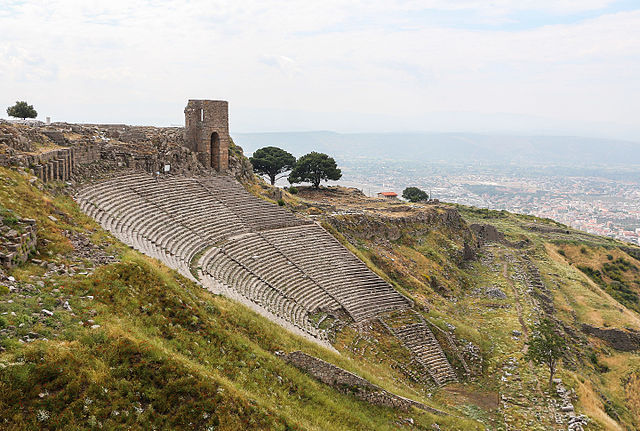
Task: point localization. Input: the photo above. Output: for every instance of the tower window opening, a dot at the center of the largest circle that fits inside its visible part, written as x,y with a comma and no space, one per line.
201,114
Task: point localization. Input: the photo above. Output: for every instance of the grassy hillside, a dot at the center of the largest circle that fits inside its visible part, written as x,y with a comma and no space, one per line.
133,345
489,304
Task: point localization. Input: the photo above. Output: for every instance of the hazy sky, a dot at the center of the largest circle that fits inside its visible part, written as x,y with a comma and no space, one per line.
388,65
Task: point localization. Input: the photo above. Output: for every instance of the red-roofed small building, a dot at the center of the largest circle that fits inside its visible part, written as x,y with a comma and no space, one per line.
388,195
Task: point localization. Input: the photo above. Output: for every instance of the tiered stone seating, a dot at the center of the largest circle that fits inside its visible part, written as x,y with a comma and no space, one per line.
361,292
256,213
195,206
260,257
217,264
139,222
256,251
414,333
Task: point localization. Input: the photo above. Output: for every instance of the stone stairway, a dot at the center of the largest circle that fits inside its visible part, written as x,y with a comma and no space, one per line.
418,338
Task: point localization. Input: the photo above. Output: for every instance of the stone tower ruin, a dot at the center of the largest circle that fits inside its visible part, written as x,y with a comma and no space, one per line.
206,132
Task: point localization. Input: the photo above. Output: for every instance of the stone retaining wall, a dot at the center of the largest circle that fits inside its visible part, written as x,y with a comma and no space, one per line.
626,341
349,383
52,165
18,242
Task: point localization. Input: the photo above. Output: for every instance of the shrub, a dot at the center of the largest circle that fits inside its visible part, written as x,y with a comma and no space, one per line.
8,217
293,190
594,274
602,368
281,202
314,168
562,253
414,194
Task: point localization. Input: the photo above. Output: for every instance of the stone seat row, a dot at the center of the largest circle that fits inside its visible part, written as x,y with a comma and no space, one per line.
353,288
144,222
362,293
194,205
253,212
209,219
262,258
216,264
137,239
259,214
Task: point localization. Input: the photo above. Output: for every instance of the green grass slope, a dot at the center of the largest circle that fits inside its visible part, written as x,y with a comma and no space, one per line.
586,279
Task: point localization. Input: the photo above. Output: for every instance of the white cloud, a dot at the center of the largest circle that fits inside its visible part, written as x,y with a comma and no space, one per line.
286,65
377,57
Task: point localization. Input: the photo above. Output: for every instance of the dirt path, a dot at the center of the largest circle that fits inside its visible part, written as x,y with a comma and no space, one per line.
525,330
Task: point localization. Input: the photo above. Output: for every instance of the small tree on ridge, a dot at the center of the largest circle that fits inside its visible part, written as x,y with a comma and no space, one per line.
414,194
313,168
546,347
272,161
22,110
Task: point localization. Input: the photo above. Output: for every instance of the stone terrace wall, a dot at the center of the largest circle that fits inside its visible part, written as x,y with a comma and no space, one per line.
627,341
347,382
86,154
17,242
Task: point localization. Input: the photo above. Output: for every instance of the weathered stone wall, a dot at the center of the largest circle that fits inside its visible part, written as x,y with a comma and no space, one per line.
60,164
17,242
56,136
53,165
347,382
85,154
207,132
90,151
626,341
486,233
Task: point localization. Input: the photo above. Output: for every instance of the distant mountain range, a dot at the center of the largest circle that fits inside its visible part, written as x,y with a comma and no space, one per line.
452,147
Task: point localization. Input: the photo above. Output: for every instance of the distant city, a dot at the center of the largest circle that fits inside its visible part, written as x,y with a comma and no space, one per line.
601,202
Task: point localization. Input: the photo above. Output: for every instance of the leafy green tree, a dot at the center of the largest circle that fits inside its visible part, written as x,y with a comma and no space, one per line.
22,110
414,194
272,161
546,347
313,168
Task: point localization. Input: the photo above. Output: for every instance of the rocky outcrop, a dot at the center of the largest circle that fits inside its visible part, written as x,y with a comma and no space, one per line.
379,226
624,340
349,383
409,226
546,229
239,165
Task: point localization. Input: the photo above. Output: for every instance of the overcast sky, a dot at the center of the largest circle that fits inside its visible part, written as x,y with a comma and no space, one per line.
538,66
